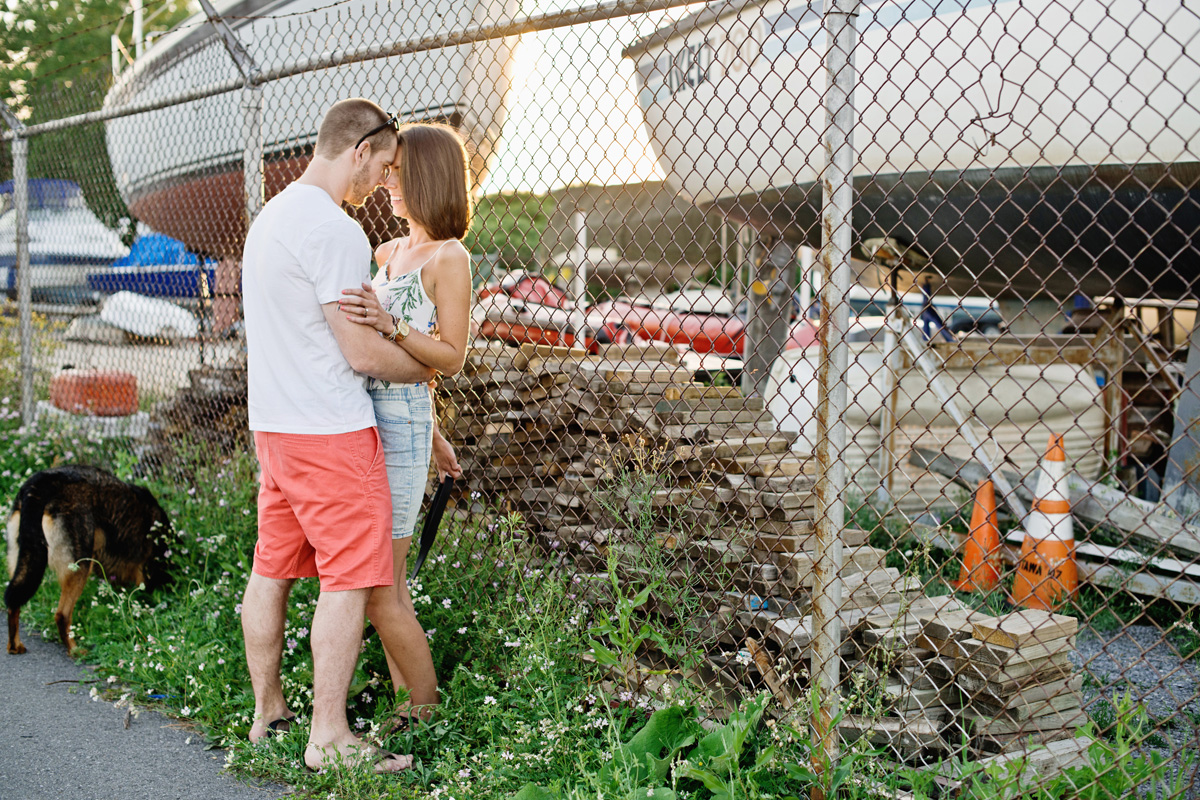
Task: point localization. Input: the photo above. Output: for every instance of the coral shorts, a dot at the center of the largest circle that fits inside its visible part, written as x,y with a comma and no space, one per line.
324,509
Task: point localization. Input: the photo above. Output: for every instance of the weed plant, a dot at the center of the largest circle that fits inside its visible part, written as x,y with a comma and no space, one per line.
523,715
641,569
10,348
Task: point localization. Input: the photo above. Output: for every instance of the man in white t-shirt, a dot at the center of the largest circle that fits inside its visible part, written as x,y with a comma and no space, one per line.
324,506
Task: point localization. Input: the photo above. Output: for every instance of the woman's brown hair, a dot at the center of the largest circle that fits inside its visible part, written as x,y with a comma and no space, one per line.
435,178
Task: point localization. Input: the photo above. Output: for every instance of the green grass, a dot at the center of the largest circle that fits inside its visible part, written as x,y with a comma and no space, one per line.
522,714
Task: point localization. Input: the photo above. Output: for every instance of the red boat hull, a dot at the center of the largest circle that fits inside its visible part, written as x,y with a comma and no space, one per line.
207,211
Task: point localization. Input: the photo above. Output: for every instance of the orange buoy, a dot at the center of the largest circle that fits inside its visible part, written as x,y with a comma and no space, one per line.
95,392
1046,575
981,552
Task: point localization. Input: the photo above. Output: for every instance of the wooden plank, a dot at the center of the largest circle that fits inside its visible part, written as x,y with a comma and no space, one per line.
1004,656
1150,523
768,466
979,672
981,723
1052,673
1024,627
1140,583
1125,556
1042,760
906,735
1010,743
647,372
796,568
717,551
762,661
1033,696
733,447
636,352
1018,709
951,625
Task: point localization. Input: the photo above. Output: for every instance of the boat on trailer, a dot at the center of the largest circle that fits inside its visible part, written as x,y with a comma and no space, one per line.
1023,145
157,266
179,168
66,242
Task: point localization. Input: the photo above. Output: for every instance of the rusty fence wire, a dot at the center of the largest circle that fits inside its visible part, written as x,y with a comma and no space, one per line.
871,327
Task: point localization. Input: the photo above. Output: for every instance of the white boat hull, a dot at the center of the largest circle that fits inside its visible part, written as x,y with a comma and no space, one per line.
180,168
1050,135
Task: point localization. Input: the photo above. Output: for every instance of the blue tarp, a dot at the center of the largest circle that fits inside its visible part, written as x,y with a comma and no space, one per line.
156,248
158,266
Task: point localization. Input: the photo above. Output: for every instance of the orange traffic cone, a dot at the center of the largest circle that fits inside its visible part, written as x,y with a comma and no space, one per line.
1046,576
981,552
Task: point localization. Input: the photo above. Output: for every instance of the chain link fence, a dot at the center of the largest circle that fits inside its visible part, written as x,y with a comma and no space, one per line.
769,293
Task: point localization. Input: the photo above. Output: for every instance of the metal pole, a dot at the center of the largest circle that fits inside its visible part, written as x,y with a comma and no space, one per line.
139,29
20,151
757,297
252,154
725,256
893,358
579,276
836,239
1181,484
806,283
769,315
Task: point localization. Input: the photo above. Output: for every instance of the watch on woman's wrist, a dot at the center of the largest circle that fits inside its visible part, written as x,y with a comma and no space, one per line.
400,330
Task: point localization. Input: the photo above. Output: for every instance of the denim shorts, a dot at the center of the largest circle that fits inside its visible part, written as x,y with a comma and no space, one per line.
404,415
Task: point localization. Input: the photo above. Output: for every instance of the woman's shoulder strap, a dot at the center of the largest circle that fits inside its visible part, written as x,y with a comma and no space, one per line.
395,243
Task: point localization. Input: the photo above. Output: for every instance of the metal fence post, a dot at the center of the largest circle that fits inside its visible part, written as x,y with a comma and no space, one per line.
836,239
20,152
252,111
252,155
579,276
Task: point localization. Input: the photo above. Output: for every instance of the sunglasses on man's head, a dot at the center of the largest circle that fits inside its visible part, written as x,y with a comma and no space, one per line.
391,122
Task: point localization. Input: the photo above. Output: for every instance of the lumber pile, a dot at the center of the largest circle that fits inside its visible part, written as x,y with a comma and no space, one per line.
1017,681
506,416
729,509
897,677
939,671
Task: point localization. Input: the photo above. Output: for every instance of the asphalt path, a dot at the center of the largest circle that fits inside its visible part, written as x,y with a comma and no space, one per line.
56,742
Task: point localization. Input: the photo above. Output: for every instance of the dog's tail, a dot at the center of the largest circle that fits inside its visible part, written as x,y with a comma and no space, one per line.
31,552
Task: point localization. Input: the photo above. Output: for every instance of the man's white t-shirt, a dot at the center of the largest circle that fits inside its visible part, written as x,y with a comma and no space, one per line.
300,253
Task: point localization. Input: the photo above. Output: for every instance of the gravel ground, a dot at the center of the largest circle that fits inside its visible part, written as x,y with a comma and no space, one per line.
1139,659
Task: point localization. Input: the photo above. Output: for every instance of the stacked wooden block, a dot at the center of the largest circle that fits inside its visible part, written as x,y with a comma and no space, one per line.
545,430
1013,674
894,678
614,394
1017,681
507,418
944,671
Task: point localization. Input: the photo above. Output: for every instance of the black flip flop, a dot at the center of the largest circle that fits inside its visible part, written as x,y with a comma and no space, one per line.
437,509
279,727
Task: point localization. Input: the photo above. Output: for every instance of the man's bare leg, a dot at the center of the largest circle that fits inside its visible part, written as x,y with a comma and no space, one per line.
264,615
336,640
390,610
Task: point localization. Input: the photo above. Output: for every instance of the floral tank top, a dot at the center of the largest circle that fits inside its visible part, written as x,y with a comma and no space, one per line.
404,297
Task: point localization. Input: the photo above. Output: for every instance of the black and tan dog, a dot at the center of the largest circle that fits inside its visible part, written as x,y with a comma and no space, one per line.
75,517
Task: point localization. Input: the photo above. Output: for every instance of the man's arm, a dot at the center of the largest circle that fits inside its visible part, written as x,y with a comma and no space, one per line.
371,354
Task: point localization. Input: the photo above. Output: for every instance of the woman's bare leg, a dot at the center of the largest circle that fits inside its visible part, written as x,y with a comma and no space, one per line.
391,611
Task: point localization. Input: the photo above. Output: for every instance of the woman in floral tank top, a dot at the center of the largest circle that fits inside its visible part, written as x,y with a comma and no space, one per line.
420,300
